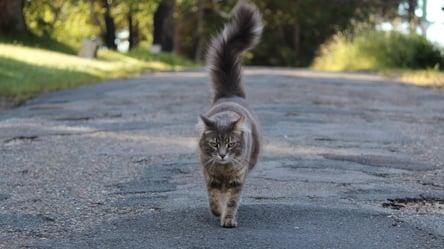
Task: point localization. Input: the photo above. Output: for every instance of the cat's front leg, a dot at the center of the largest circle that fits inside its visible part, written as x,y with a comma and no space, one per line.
231,203
214,198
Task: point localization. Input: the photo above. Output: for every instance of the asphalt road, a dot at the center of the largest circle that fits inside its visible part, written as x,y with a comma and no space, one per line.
350,161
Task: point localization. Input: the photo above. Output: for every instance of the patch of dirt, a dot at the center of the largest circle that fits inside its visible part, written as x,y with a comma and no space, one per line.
416,205
19,139
433,178
8,103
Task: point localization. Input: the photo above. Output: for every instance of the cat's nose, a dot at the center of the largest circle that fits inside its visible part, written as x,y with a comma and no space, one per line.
222,152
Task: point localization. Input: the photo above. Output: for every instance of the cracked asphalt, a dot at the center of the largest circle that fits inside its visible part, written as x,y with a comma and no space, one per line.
350,160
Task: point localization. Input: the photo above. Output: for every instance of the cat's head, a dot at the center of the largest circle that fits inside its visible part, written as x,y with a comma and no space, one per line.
222,138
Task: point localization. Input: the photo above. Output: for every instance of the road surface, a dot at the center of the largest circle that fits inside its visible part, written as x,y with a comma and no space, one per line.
350,161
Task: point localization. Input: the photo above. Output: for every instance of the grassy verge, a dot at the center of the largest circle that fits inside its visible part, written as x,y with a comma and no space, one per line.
172,60
31,40
26,71
408,58
426,77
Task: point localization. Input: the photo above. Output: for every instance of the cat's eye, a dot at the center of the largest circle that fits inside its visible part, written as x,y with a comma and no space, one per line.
231,145
213,144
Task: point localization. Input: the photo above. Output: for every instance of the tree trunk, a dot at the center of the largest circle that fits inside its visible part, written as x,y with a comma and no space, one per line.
158,24
297,40
95,17
133,31
199,32
168,28
12,19
110,33
412,19
163,34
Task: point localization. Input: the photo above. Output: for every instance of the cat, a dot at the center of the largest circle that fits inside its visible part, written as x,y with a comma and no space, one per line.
229,142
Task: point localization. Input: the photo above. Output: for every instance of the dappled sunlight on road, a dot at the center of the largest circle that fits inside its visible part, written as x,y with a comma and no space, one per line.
161,140
307,73
38,127
306,150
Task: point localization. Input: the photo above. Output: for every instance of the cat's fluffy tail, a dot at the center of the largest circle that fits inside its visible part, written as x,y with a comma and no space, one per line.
224,53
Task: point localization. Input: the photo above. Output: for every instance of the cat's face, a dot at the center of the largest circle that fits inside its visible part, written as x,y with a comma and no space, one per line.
221,144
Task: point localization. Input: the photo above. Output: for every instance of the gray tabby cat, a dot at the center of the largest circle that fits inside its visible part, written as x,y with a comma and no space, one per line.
229,139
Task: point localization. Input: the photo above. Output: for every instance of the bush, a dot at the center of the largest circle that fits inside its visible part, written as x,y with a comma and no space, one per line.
376,50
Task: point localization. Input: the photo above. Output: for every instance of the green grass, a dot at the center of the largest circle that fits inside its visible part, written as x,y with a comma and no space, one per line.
425,77
31,40
142,53
409,58
26,71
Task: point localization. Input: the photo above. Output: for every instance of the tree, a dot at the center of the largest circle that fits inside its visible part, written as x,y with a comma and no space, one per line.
164,25
136,11
133,31
12,19
412,19
199,31
44,16
110,32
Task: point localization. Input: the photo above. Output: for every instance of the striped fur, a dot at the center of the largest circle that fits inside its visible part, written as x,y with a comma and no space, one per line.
224,52
229,139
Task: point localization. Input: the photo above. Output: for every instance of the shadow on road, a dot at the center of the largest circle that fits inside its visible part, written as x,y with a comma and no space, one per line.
261,226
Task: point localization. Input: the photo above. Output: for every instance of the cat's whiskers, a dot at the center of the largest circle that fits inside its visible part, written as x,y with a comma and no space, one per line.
211,160
238,162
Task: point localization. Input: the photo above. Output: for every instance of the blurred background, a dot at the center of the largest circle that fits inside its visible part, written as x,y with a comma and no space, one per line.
339,35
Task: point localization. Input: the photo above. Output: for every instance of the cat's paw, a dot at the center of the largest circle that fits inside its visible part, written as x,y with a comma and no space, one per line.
215,212
228,222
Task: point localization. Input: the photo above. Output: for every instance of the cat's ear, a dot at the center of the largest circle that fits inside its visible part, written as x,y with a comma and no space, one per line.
208,122
241,125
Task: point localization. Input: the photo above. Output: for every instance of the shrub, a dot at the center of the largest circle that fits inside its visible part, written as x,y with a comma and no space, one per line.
376,50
